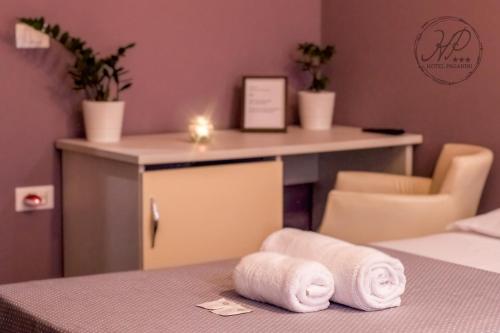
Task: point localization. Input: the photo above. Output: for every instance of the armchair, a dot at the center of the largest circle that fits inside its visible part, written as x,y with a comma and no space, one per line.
367,207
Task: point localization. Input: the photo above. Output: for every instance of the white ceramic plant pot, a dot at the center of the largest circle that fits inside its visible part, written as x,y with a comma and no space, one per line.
103,120
316,110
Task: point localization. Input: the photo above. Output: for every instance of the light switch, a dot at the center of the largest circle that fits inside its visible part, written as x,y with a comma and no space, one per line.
34,198
29,38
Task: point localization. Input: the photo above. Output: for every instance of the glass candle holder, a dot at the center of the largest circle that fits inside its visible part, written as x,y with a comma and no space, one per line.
201,129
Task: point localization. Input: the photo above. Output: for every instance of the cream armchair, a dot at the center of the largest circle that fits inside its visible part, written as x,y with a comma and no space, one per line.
366,207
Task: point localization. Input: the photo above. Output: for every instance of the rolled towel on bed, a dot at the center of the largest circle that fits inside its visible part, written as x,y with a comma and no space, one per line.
294,284
365,278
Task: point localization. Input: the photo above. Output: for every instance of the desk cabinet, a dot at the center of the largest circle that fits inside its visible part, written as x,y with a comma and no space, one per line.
206,213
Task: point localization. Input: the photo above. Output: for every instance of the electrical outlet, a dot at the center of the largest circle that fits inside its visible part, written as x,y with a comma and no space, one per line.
29,38
34,198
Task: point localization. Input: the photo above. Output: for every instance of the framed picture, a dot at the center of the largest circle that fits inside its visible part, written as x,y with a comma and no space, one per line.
264,103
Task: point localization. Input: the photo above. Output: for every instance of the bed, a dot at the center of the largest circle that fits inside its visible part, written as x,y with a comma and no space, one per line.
464,248
440,297
472,242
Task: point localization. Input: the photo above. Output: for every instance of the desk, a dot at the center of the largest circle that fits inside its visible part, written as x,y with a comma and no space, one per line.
227,192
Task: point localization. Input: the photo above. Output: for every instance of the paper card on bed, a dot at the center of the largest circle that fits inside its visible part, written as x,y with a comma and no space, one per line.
231,310
214,305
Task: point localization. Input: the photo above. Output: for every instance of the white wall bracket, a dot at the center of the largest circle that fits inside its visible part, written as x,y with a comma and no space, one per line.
29,38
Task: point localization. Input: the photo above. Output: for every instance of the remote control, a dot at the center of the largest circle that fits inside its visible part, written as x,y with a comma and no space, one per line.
388,131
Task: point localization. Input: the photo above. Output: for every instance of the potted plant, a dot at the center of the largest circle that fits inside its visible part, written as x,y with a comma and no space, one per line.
101,79
316,105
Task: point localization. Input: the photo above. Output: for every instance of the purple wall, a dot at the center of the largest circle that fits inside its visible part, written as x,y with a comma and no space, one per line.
378,82
189,58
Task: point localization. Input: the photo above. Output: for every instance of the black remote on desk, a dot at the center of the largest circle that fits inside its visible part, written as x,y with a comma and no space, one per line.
388,131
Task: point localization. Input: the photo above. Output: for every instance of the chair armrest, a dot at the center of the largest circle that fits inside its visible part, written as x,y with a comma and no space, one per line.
372,182
368,217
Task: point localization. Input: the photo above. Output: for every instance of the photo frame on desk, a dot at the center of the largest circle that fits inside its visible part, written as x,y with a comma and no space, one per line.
264,103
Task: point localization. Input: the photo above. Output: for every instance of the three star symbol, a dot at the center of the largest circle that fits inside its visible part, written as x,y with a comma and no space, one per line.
461,59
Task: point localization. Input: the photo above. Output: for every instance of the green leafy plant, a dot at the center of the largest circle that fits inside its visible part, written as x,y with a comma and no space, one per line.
102,79
312,59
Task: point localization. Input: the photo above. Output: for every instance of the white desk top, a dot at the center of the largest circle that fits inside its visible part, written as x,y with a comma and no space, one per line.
233,144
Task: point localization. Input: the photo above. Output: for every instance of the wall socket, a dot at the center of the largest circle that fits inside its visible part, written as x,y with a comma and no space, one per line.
46,193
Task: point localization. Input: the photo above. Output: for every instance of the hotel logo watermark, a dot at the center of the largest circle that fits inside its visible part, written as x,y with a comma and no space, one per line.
448,50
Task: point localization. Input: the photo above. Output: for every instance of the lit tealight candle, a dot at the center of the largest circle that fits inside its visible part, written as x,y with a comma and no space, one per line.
201,129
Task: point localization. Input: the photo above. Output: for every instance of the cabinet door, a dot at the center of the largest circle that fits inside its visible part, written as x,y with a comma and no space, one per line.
210,213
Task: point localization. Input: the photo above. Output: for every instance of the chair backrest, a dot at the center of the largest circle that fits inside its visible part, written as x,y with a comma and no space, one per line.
461,171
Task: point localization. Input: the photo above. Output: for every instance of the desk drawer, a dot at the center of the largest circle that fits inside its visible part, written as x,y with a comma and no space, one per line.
210,213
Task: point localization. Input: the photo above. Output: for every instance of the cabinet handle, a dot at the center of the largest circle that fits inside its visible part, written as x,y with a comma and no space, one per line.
155,213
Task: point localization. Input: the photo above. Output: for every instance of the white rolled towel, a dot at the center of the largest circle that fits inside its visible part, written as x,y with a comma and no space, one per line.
365,278
294,284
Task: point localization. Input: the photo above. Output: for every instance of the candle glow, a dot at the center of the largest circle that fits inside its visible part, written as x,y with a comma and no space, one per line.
201,129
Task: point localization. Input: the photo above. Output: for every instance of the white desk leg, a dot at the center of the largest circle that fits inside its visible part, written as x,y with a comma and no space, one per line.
408,160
